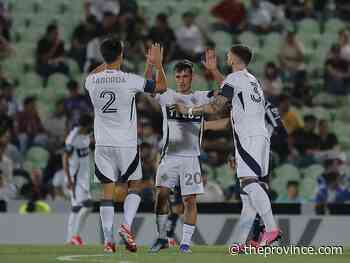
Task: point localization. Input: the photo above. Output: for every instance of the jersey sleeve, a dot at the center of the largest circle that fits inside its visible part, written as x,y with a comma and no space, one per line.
227,89
140,84
205,97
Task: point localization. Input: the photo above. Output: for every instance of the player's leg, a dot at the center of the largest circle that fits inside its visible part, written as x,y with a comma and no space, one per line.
191,184
246,220
176,209
131,171
105,172
249,168
166,179
71,224
82,216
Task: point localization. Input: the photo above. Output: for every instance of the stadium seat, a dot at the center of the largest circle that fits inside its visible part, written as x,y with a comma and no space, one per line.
309,182
332,27
282,175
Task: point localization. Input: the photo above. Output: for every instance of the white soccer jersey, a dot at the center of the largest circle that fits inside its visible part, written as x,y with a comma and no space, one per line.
112,93
78,145
181,132
248,104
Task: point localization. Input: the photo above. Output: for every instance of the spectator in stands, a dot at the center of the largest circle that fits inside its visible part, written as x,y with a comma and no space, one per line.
297,10
56,126
272,83
50,54
75,104
162,33
343,8
29,125
305,140
110,26
328,140
82,34
5,45
190,38
292,54
343,41
264,17
337,72
290,118
5,21
330,192
231,15
6,168
8,91
98,8
292,194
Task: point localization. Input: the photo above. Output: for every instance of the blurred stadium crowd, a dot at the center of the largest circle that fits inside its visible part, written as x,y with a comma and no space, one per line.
302,57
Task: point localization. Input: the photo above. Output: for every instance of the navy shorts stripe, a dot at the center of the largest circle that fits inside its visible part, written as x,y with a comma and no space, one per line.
247,158
132,167
100,176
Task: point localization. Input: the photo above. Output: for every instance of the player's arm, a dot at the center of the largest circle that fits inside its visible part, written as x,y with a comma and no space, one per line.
155,59
217,125
210,64
65,161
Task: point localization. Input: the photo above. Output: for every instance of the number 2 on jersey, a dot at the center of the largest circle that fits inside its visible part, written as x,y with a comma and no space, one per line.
110,96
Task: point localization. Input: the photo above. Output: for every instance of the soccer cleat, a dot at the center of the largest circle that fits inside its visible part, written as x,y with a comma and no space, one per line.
158,245
269,238
76,241
128,238
172,242
109,247
184,248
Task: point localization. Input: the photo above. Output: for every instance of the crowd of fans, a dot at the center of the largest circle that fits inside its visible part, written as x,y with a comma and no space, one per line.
285,80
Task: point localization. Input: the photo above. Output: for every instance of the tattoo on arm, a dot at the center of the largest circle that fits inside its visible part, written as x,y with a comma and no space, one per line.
217,105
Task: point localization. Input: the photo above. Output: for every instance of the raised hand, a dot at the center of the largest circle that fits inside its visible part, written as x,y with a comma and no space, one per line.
156,55
210,62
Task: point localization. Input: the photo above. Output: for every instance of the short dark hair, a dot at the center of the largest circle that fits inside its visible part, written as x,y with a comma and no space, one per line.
85,120
162,17
293,183
28,100
111,48
184,65
72,84
51,27
243,52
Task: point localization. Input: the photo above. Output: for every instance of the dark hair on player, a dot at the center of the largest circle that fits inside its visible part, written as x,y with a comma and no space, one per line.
162,17
85,120
51,28
111,48
243,52
184,65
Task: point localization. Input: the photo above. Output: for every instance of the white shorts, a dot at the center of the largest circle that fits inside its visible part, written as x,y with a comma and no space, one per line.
114,164
79,194
183,171
252,156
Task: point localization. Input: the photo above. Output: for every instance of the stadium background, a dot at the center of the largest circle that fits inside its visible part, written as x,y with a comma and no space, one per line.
308,78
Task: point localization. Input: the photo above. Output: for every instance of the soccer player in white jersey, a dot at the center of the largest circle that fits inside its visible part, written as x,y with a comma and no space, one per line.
179,164
252,142
112,93
77,171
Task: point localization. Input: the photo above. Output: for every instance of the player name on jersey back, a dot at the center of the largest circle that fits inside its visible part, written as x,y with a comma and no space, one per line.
112,93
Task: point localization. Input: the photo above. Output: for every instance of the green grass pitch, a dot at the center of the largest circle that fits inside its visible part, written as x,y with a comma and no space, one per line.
201,254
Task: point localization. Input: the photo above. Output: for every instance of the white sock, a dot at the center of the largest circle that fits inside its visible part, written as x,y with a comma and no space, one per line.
81,219
261,202
131,204
187,233
161,221
107,219
71,223
246,220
